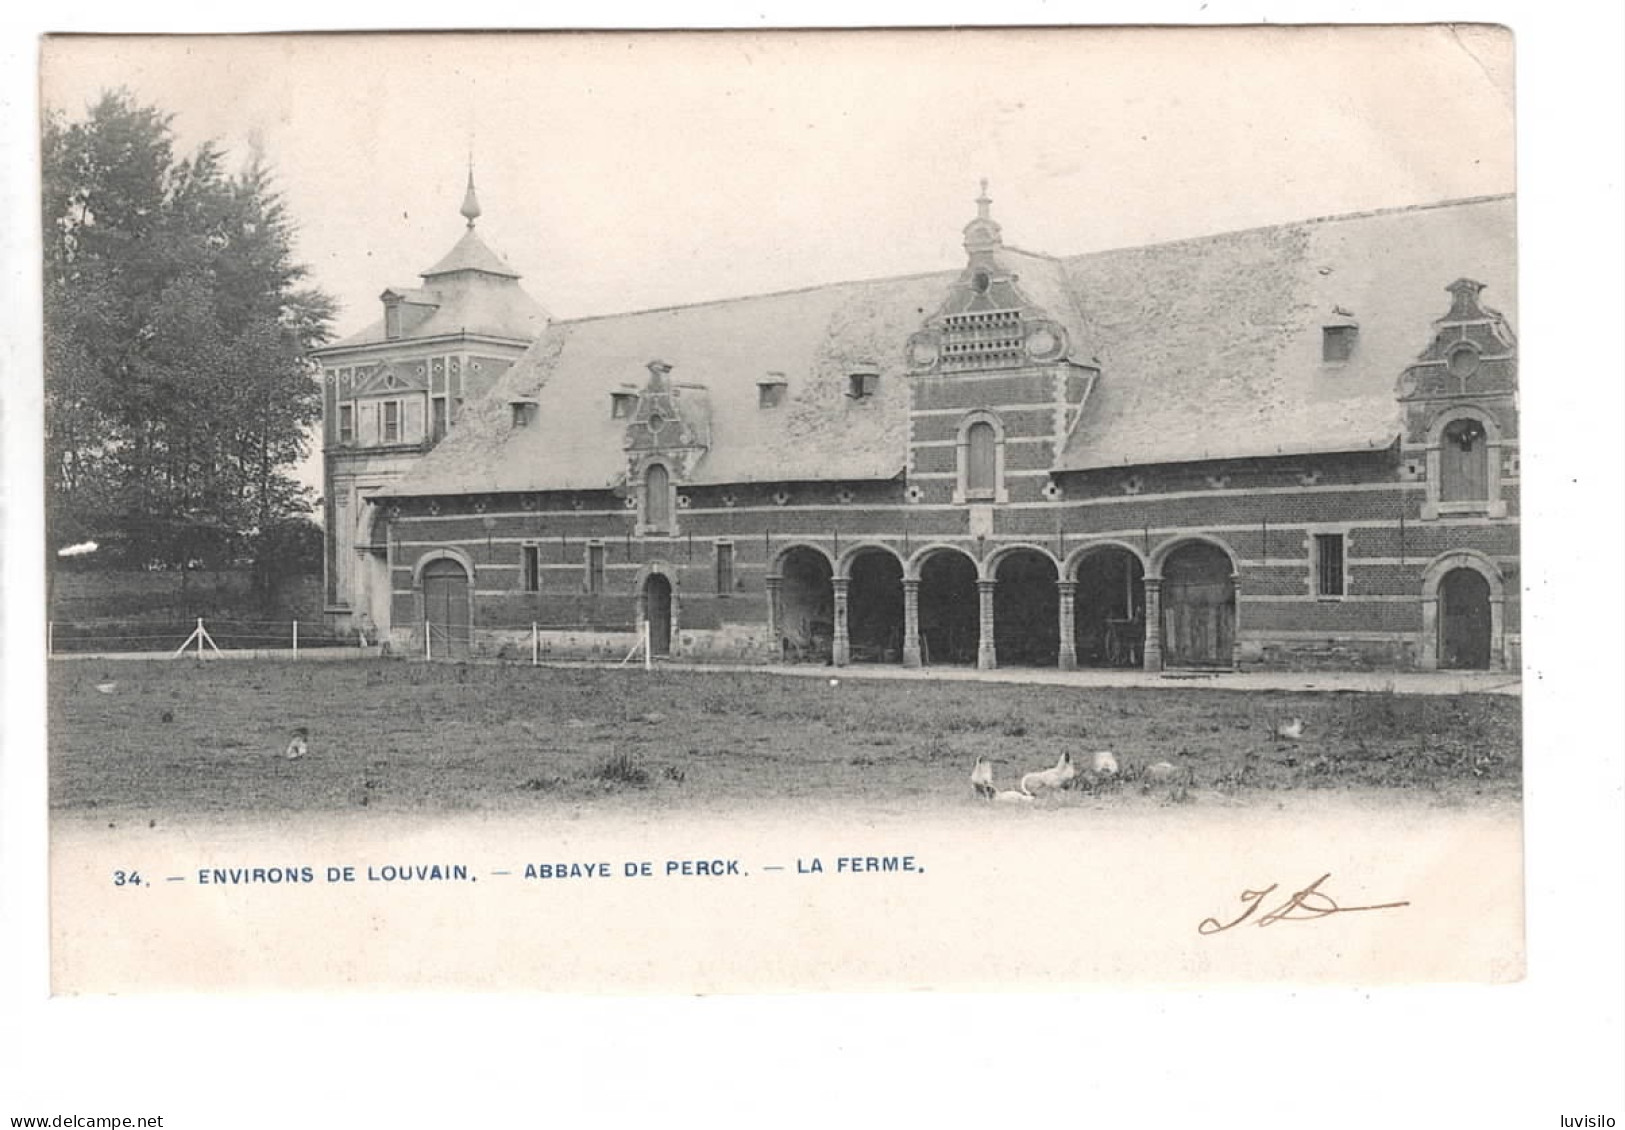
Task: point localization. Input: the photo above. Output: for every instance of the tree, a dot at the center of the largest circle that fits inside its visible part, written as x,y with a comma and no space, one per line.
178,389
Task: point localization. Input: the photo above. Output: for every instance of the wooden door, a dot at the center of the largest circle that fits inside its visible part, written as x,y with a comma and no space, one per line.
1198,608
657,607
446,609
1464,620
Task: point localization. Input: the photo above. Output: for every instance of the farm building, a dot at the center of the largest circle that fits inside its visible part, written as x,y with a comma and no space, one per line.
1293,445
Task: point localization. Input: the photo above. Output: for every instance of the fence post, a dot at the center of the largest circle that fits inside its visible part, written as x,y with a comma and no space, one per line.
535,645
428,646
50,638
296,639
648,660
200,637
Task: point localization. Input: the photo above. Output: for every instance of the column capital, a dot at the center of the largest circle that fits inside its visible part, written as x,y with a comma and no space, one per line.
773,580
1066,588
911,583
839,585
986,584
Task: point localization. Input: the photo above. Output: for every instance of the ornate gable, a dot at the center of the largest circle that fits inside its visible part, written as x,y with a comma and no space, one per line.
671,425
1473,353
987,321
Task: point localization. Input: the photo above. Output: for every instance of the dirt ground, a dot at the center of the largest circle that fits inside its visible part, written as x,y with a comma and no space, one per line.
184,738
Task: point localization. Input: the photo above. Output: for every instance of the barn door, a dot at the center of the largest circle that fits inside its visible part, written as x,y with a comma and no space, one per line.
1464,620
446,609
1198,608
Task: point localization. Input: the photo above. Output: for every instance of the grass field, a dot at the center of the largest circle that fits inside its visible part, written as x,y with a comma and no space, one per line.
178,738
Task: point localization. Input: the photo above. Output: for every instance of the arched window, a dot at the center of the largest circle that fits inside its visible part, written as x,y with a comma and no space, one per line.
981,460
1464,464
657,497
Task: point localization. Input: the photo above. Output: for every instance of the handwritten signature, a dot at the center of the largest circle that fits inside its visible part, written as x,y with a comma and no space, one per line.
1302,906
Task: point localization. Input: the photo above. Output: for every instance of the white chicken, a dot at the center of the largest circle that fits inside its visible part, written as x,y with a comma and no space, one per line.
1052,778
1105,763
981,780
1289,730
298,745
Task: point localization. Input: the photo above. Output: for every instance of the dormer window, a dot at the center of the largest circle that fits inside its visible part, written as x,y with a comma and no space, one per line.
622,405
863,382
525,413
770,392
1337,342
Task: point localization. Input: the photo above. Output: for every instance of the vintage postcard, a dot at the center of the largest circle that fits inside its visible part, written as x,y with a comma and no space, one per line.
750,512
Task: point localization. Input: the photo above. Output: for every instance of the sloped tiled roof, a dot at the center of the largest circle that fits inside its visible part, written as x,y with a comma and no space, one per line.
471,254
1209,348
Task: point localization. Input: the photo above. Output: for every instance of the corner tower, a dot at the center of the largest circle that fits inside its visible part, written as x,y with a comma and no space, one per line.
394,390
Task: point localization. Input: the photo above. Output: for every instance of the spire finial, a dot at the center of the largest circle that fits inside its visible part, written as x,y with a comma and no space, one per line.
471,202
983,203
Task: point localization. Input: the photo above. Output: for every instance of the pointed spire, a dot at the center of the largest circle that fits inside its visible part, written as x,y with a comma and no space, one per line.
983,233
471,202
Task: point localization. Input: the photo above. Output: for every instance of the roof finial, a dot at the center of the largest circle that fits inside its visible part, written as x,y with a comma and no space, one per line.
471,202
983,202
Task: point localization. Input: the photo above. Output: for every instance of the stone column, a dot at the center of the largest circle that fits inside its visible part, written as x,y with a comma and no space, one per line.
1153,623
775,646
986,657
1235,618
1068,660
842,646
911,622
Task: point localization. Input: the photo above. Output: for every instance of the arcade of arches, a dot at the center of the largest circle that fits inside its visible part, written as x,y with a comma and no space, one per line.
1023,613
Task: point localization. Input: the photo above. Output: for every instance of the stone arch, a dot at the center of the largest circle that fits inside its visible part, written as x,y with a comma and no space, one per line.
1160,555
843,565
1026,605
955,620
1069,570
1109,603
990,565
911,567
441,554
870,606
776,567
1194,615
1433,578
801,604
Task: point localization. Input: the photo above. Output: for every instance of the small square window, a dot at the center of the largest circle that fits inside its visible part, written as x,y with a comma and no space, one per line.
1337,342
525,413
622,405
769,394
863,385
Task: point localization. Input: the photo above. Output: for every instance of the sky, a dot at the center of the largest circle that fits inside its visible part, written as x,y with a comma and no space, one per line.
622,171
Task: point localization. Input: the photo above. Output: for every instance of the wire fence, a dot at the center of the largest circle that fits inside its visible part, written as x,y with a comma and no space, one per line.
199,635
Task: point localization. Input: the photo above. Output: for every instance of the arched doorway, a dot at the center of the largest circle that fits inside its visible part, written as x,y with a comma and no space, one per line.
874,607
1109,612
806,612
657,610
1198,607
950,611
1464,620
1026,610
447,612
